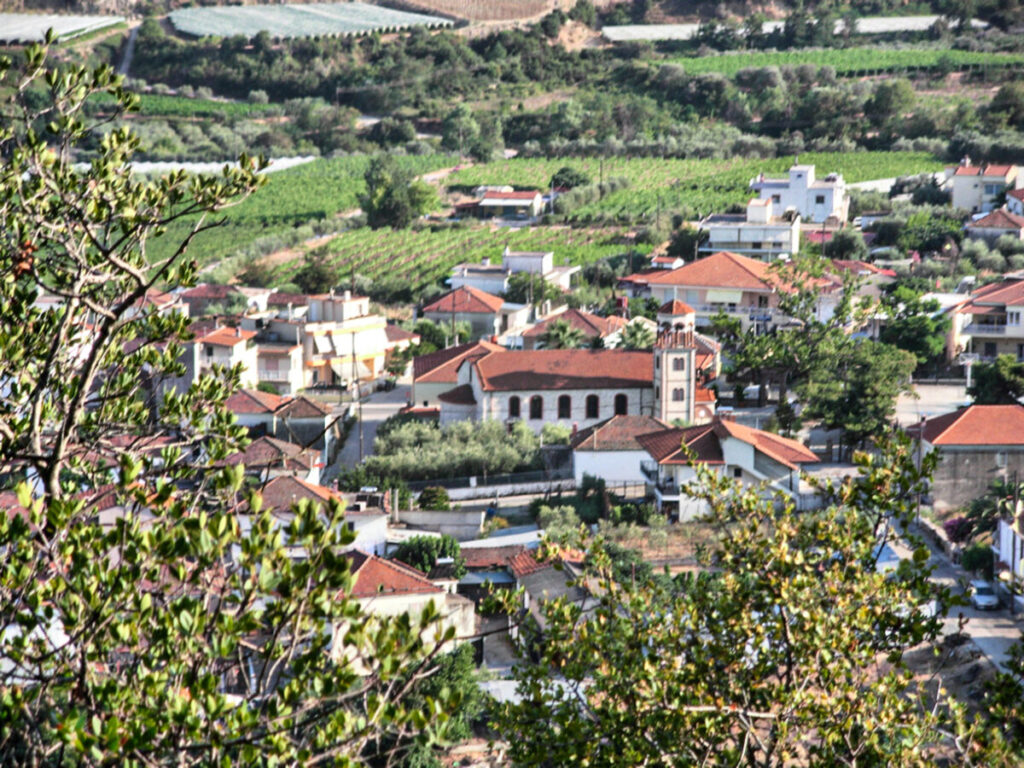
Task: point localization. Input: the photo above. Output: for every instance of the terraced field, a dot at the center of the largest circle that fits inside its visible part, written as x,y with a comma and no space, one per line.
699,186
424,257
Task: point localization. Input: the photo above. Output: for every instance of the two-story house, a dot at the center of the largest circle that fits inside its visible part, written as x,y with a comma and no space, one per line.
488,315
761,232
977,188
229,347
493,278
989,323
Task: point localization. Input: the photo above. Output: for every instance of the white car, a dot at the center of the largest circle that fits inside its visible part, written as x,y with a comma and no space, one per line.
983,596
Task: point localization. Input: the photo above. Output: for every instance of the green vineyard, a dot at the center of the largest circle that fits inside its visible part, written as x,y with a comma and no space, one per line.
424,257
852,61
697,186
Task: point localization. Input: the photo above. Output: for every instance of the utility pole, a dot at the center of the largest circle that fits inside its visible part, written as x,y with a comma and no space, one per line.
359,395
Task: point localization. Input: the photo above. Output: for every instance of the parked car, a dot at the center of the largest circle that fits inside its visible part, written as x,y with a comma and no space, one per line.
983,596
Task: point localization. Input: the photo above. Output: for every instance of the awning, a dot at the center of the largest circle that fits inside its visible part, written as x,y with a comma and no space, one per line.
322,344
339,371
722,296
977,310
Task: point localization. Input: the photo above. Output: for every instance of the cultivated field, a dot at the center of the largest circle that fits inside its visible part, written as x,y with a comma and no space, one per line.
483,10
298,20
852,61
31,27
701,186
423,257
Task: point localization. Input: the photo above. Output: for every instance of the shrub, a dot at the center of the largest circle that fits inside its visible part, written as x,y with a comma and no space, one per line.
958,529
436,499
558,522
978,559
423,552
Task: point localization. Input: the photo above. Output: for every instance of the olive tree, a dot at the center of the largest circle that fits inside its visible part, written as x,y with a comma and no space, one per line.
141,623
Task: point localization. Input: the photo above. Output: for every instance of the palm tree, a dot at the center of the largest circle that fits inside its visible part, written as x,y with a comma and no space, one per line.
637,336
560,335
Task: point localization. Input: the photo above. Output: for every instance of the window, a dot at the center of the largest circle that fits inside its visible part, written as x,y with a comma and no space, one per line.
621,404
679,364
819,199
657,362
1013,318
993,189
1000,458
513,407
990,349
209,350
678,395
564,407
592,407
1020,353
756,245
762,302
737,473
776,199
536,407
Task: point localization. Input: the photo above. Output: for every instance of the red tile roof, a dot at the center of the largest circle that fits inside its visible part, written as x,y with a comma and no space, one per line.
993,297
719,270
1016,194
461,395
619,433
982,170
281,299
279,494
442,366
552,369
528,562
302,407
590,325
705,442
676,307
269,452
227,337
254,401
999,219
396,333
977,425
377,576
489,558
467,300
209,291
520,195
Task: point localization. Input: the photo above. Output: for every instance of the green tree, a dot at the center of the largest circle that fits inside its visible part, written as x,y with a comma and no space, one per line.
568,177
528,288
423,552
560,335
847,244
913,324
637,336
685,242
1000,382
775,662
167,635
459,129
435,498
393,197
317,274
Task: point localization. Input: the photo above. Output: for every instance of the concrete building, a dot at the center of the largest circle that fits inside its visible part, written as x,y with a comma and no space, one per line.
977,445
1015,202
989,323
976,188
751,456
996,224
758,233
608,329
509,204
438,372
493,278
610,450
816,200
488,315
228,347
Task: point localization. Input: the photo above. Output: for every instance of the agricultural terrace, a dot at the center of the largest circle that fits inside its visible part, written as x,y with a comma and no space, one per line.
424,257
298,20
695,186
310,192
852,61
31,27
159,105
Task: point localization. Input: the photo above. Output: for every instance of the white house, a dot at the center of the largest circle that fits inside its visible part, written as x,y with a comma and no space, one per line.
228,347
994,225
610,450
1015,202
817,200
488,315
493,278
508,203
759,232
751,456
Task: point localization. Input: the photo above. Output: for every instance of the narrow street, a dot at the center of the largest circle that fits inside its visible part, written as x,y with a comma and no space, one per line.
376,408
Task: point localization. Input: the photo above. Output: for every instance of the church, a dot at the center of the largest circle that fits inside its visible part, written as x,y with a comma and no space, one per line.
579,388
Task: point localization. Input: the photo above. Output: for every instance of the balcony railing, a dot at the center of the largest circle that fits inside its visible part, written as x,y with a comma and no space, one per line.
992,329
650,470
713,309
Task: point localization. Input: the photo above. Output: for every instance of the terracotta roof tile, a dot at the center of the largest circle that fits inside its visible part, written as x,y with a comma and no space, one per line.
782,449
977,425
519,195
719,270
279,494
999,219
442,366
528,562
302,407
676,307
282,299
982,170
461,395
666,446
1016,194
489,558
269,452
591,325
254,401
377,576
619,433
467,299
552,369
397,333
990,297
227,337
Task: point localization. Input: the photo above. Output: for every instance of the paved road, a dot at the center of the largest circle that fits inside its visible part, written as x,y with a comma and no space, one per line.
931,400
376,408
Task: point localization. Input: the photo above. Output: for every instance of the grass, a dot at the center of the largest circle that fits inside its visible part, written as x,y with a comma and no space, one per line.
700,186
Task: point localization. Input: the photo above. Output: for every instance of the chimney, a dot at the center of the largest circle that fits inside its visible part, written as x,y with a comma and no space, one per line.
506,252
238,331
965,160
347,296
486,261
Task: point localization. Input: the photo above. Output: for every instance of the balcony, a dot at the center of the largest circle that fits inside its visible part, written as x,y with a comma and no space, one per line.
650,470
992,329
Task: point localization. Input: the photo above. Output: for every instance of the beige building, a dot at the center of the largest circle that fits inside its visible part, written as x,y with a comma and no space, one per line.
990,322
487,315
759,233
229,347
975,188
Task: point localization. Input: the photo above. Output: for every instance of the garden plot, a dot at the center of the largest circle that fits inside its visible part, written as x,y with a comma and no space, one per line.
31,27
298,20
